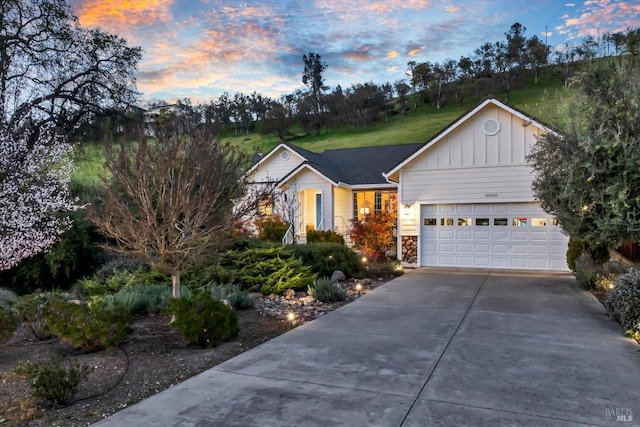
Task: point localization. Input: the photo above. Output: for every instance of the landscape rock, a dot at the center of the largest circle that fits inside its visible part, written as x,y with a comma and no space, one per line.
255,295
308,300
306,308
338,276
289,293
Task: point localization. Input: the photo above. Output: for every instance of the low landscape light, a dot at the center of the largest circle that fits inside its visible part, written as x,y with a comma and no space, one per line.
291,317
358,288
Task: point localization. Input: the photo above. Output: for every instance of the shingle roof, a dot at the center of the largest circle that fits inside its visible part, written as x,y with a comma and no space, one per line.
358,166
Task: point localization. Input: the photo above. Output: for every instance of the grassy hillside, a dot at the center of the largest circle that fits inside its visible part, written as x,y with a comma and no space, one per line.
540,101
416,125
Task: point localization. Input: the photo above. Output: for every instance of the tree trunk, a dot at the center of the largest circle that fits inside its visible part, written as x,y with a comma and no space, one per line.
175,282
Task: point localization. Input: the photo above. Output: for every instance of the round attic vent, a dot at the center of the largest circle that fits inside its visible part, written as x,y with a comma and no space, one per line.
284,155
491,127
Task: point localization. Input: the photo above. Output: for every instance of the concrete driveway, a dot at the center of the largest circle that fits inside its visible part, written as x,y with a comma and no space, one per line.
433,347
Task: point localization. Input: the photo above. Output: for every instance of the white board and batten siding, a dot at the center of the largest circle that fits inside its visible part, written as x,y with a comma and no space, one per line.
467,184
469,165
343,209
279,163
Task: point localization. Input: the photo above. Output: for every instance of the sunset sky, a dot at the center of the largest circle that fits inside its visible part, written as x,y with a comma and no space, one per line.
200,48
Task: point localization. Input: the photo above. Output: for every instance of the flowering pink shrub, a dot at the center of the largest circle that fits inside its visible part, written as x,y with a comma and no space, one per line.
34,195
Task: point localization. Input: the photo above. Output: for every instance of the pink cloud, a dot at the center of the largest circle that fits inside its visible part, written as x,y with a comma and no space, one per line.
603,16
118,15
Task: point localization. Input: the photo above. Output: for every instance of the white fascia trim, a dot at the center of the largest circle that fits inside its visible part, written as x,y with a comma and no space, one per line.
269,154
311,168
368,186
464,119
390,181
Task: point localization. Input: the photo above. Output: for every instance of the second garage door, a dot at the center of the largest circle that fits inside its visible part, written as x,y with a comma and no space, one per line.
499,235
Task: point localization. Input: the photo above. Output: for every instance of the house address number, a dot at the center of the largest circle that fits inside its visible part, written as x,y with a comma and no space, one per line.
490,195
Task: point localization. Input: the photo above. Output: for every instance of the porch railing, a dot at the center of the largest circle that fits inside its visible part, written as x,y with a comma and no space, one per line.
343,229
288,237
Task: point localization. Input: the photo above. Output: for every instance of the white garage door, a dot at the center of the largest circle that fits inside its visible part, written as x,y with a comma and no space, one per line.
501,235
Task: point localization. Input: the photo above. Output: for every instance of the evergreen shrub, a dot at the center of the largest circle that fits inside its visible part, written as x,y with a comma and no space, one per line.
320,236
7,324
623,302
31,310
202,320
89,327
52,381
266,270
326,257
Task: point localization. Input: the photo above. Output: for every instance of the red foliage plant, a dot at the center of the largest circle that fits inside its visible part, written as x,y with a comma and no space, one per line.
373,236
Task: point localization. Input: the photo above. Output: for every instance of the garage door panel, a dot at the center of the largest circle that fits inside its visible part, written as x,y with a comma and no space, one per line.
497,262
465,235
498,235
501,249
519,249
430,234
500,208
482,235
540,236
446,247
446,209
520,262
480,261
465,248
539,250
519,235
464,261
482,248
448,261
539,263
447,234
482,209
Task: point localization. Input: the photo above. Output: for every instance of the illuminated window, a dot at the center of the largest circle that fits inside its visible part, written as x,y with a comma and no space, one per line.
265,206
538,222
519,222
371,202
446,222
464,222
430,221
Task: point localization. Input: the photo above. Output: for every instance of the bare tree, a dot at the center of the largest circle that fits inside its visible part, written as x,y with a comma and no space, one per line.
171,201
286,207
